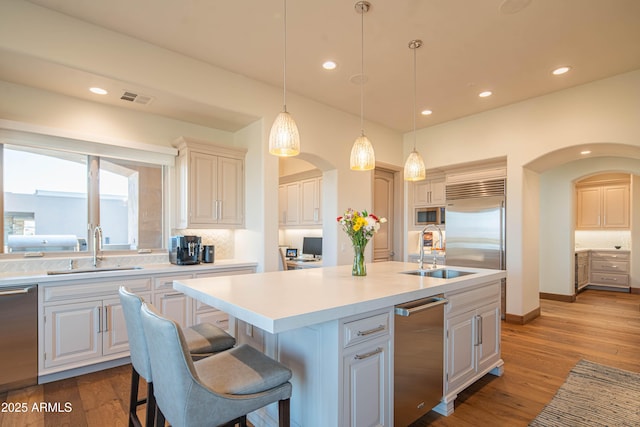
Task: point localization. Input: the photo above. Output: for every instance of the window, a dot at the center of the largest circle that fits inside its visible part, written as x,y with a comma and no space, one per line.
49,195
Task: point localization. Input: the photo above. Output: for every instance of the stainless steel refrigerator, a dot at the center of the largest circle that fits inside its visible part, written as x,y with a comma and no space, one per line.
475,226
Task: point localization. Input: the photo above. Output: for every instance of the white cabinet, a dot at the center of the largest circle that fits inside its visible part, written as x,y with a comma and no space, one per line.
209,182
300,202
366,371
430,192
602,206
83,323
472,323
172,304
610,269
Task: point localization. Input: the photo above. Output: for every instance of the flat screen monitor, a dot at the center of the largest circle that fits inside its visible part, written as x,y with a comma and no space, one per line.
312,246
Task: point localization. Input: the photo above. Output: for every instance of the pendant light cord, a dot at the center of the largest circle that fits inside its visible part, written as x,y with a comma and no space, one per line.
415,86
362,12
284,84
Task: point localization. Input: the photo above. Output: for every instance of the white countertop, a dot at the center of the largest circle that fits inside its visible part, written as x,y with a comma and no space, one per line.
41,277
286,300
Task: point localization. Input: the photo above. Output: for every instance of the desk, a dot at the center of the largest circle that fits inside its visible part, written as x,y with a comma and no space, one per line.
299,265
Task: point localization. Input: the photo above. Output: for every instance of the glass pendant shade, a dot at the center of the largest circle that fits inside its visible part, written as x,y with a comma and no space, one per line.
284,139
414,167
362,156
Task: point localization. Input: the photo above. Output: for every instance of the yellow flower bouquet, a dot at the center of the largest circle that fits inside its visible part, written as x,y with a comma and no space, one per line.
360,227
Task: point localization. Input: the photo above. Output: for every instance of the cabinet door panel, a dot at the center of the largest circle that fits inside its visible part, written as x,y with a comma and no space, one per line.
114,337
203,191
461,349
589,203
174,305
489,347
365,386
309,202
616,206
72,333
230,191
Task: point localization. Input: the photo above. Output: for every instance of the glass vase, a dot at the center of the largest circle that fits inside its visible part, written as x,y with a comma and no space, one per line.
359,267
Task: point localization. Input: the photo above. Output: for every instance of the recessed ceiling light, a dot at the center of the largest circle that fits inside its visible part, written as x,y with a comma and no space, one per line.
98,91
561,70
329,65
585,152
485,94
426,112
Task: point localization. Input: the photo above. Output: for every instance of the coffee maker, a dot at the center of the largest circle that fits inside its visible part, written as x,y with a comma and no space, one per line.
185,250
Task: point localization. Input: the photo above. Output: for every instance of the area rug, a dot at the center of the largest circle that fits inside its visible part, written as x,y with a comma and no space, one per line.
594,395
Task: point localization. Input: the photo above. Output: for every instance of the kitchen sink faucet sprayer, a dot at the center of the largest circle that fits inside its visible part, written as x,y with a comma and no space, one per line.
97,245
440,242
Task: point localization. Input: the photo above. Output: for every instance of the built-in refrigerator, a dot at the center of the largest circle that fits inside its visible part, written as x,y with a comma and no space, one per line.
475,226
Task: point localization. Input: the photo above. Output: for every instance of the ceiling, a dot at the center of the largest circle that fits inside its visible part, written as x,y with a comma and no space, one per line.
508,47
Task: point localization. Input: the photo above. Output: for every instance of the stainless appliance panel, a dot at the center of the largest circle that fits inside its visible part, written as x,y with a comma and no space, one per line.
19,337
475,232
418,358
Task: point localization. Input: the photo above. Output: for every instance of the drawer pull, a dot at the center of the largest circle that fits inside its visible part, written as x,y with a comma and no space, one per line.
367,355
371,331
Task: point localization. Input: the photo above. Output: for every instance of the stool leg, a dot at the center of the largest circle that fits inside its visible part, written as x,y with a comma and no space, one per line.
160,421
283,413
133,397
151,406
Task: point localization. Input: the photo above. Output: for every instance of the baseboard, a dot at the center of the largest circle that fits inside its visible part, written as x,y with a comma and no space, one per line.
635,290
522,319
558,297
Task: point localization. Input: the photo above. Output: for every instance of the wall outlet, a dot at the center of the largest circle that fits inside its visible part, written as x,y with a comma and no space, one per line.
248,330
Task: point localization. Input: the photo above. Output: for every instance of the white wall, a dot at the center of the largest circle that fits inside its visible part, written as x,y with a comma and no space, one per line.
602,112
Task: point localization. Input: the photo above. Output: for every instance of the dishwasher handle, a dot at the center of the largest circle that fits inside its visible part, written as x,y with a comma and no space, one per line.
15,291
406,310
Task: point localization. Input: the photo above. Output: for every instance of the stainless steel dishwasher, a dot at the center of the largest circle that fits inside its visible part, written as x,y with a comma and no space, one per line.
19,336
418,358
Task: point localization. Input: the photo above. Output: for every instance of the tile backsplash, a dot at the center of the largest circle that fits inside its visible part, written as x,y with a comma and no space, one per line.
603,239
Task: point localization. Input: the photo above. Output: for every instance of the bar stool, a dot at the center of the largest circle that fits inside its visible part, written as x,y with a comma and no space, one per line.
202,340
218,390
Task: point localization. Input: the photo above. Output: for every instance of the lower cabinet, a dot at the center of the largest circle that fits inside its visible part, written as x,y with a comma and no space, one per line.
472,349
366,371
366,383
81,322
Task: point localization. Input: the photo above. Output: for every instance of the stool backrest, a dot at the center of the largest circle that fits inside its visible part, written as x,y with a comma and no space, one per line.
131,304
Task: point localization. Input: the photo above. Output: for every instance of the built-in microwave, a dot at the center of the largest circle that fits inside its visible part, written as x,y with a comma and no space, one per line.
431,215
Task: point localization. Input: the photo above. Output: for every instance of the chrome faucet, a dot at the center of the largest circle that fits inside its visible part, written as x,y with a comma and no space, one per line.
97,244
440,242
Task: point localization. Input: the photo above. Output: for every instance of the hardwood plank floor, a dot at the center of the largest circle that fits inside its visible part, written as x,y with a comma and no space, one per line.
601,326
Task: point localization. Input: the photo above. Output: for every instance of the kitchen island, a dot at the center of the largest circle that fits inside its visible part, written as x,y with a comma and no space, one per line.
335,332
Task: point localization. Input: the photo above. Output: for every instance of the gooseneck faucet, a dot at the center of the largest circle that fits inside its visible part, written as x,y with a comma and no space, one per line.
97,244
422,233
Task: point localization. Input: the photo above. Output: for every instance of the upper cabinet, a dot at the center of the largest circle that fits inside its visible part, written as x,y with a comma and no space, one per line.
603,202
209,185
300,201
430,192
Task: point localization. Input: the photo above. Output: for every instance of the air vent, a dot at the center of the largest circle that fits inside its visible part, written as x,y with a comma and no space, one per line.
136,97
469,190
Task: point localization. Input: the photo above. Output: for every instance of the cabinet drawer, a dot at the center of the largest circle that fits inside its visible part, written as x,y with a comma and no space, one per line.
603,255
165,283
93,290
612,266
468,299
364,329
609,279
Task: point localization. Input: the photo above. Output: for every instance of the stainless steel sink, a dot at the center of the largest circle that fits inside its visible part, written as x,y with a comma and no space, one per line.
91,270
441,273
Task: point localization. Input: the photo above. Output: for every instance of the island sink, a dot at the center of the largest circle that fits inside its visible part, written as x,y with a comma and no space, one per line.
441,273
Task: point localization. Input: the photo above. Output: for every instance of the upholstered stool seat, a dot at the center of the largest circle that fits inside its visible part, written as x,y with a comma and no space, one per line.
202,340
218,390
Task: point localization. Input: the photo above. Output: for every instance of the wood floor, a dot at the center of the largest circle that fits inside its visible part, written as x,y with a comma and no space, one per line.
600,326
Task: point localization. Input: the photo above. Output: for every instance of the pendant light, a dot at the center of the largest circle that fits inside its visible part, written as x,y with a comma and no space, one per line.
284,139
362,156
414,167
